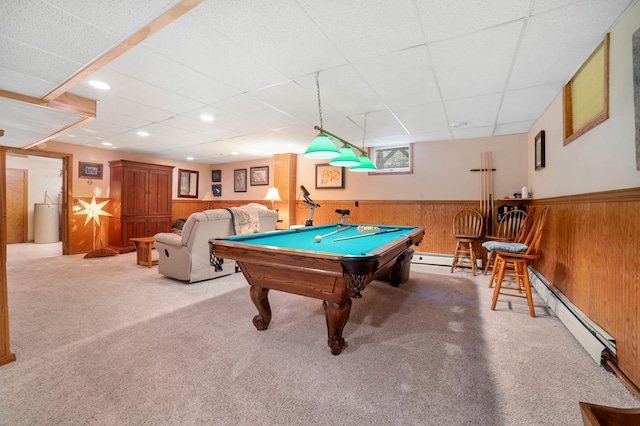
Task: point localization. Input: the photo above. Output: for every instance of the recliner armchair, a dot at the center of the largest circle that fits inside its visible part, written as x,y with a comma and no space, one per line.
186,257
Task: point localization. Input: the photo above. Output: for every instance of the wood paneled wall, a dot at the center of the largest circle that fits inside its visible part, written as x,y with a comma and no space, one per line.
591,253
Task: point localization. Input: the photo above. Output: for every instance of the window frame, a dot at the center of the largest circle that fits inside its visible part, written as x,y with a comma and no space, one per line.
371,152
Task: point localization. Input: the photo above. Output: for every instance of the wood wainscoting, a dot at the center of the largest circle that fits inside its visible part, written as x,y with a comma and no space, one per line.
591,253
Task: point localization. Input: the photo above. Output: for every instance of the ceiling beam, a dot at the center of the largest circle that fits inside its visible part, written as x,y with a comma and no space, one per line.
159,23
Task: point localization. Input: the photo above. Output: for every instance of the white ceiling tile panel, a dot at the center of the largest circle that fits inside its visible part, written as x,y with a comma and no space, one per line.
212,54
433,136
67,36
427,118
541,6
211,131
344,90
487,54
475,112
23,59
24,84
121,17
443,19
294,100
527,104
227,121
513,128
251,109
278,32
17,113
413,81
133,109
365,28
391,140
577,30
174,132
151,67
382,124
476,132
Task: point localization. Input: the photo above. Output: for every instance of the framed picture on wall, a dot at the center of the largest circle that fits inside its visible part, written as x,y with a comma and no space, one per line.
90,170
328,176
260,175
240,180
539,147
216,188
216,175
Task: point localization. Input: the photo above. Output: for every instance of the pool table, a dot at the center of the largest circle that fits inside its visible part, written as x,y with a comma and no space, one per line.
334,269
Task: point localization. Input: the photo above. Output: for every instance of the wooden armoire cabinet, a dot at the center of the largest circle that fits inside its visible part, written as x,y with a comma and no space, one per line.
140,202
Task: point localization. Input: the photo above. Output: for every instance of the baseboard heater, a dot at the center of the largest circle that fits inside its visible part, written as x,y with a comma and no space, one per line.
598,343
438,259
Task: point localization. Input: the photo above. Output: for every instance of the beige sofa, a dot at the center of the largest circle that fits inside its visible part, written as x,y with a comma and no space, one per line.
186,257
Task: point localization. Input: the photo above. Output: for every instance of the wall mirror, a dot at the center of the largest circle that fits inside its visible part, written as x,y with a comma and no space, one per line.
188,183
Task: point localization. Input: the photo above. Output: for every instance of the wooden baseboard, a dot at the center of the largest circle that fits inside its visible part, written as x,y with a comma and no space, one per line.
7,359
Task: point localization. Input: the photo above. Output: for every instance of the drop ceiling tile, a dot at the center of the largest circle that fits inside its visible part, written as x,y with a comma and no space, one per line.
210,130
121,17
294,100
527,104
151,67
160,129
577,30
475,112
427,118
24,84
133,110
476,132
344,90
228,121
541,6
513,128
382,124
365,28
447,19
213,55
278,32
251,109
391,140
488,54
67,37
23,59
412,83
433,136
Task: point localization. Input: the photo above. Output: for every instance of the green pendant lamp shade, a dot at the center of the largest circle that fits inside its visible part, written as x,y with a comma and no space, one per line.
322,148
347,158
366,165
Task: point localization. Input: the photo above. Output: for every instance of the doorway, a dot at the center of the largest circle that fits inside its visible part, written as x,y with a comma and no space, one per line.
17,209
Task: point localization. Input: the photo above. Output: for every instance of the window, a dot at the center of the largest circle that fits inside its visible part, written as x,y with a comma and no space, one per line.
392,159
586,95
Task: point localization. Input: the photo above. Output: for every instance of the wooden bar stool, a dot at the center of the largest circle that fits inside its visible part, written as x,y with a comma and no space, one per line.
467,228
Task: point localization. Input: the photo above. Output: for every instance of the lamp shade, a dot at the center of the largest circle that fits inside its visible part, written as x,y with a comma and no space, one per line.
273,195
366,165
208,196
322,148
347,158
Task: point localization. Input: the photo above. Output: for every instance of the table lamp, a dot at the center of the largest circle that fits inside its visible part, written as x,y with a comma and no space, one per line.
209,198
273,195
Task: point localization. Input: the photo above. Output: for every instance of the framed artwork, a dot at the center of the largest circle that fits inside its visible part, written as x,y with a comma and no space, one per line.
90,170
260,175
329,177
240,180
216,188
216,175
188,183
539,144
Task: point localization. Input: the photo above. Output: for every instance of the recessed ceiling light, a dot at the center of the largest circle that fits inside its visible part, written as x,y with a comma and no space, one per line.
206,117
291,145
107,143
190,158
99,84
235,153
141,133
458,125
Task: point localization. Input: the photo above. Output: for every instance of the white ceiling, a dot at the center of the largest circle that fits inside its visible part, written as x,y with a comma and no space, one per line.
414,67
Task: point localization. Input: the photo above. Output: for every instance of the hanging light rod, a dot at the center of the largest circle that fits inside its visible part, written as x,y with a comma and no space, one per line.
338,138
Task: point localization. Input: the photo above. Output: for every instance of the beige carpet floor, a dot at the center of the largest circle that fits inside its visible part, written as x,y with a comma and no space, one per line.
107,342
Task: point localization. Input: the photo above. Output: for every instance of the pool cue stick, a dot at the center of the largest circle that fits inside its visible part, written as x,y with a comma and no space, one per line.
366,235
320,237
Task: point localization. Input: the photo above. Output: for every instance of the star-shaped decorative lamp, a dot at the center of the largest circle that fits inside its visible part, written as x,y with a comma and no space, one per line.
93,211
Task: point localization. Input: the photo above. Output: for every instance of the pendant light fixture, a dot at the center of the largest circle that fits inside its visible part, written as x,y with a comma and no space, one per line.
366,165
322,147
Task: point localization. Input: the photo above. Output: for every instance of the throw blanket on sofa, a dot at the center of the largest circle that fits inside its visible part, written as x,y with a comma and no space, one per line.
245,220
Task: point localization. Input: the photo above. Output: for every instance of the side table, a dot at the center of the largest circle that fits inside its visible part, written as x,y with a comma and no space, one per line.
144,247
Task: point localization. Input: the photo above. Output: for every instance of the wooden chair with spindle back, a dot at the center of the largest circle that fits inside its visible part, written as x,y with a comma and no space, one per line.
467,228
519,256
508,228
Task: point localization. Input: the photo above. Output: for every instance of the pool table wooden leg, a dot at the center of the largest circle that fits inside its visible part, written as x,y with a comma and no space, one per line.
337,315
259,298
